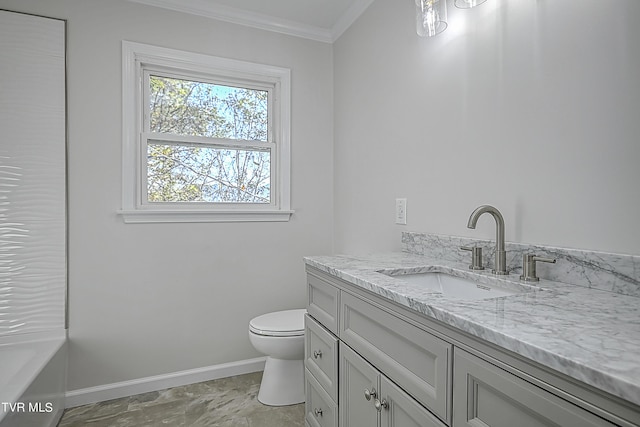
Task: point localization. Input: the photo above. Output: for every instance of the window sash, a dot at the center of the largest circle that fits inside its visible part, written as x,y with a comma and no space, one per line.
215,143
148,71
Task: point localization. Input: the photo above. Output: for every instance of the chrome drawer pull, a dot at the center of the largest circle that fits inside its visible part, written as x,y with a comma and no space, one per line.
381,404
318,412
317,354
369,394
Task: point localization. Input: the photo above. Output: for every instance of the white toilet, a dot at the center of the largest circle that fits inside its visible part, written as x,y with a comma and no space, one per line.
280,335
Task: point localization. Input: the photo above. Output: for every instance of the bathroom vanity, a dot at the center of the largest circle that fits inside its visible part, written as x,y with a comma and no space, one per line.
383,351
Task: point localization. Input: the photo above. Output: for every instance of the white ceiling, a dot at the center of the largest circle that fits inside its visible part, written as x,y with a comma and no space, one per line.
322,20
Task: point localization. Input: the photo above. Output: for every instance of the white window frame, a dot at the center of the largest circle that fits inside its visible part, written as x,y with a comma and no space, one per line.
137,61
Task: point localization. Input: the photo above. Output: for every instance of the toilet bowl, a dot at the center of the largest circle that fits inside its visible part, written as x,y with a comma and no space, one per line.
280,336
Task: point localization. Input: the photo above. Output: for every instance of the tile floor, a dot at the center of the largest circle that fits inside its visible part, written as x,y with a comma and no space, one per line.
227,402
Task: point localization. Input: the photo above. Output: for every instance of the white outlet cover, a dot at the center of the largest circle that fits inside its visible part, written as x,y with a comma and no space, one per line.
401,211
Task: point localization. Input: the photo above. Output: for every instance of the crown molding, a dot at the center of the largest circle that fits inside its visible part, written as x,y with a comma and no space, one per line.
261,21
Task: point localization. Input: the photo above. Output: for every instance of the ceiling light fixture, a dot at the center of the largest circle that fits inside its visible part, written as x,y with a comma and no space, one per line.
431,15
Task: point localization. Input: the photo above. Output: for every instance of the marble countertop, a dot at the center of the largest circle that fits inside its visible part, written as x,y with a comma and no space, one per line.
590,335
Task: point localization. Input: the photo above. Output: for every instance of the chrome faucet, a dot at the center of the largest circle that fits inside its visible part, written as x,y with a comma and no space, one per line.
500,266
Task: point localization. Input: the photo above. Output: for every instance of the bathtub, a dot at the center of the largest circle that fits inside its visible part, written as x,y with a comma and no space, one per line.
33,370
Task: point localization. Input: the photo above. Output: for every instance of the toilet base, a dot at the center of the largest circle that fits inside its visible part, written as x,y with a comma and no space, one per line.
282,382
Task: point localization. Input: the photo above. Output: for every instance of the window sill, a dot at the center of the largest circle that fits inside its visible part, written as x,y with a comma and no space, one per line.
163,216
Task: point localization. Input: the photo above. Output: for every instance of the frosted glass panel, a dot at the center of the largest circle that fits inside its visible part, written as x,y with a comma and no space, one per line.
32,174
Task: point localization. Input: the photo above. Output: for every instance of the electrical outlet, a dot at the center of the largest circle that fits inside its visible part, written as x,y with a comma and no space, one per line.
401,211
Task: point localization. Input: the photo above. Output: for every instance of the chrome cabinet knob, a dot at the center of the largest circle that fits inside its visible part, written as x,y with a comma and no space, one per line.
317,354
368,394
317,412
380,404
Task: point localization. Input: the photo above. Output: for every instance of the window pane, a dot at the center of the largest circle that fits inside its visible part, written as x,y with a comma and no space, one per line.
185,173
185,107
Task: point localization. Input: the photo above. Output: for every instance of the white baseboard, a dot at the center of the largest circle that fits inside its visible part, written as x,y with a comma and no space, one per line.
85,396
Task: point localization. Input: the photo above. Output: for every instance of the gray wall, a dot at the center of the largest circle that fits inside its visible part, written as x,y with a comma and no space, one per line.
532,106
151,299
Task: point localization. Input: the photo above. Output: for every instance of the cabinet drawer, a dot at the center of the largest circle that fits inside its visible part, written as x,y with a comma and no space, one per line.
323,302
408,355
321,356
320,410
487,395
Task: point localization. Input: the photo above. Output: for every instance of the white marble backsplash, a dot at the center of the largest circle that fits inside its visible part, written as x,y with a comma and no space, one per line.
598,270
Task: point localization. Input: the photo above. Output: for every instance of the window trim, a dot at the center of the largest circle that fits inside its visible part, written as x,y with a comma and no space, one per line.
138,57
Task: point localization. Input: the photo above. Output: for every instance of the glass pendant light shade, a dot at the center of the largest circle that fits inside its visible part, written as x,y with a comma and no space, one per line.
431,17
468,4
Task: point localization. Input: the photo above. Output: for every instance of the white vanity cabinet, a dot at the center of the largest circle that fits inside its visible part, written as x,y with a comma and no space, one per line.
372,362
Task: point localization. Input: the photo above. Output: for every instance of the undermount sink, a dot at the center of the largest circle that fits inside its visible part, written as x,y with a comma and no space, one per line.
456,287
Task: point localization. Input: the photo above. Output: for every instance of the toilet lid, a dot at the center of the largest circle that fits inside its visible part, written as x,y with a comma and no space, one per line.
280,323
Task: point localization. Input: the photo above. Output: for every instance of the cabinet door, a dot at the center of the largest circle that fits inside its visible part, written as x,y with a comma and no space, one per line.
356,376
398,409
486,395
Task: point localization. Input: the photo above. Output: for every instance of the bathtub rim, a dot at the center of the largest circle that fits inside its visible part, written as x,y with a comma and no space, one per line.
51,341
